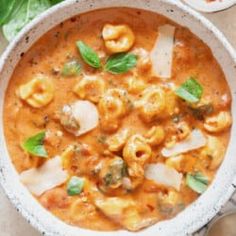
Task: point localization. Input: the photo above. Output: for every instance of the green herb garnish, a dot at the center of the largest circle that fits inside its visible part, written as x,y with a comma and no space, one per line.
116,171
197,182
8,8
71,68
88,54
200,112
15,14
120,63
191,91
75,185
34,145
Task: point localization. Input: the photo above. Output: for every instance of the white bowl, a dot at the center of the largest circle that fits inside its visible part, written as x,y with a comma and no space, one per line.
197,214
204,6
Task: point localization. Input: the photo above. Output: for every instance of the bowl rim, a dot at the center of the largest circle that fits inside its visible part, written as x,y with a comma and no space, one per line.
50,12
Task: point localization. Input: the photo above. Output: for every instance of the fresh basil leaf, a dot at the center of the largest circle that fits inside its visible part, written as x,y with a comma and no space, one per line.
15,14
71,68
34,145
202,178
75,185
54,2
197,182
191,91
88,54
28,10
120,63
8,9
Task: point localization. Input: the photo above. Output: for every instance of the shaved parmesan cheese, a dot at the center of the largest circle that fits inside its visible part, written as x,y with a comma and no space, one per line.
162,52
48,176
80,117
164,175
86,114
194,141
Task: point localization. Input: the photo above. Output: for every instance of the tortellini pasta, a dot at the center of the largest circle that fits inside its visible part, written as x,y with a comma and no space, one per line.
112,107
183,130
135,85
67,155
90,87
155,135
118,38
218,123
38,92
155,103
124,212
112,172
137,150
214,152
170,203
136,154
116,142
136,173
81,209
80,159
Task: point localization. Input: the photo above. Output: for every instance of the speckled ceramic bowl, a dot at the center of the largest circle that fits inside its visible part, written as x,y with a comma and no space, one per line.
197,214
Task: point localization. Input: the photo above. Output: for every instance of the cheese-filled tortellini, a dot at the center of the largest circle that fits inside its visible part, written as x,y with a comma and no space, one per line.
218,123
112,107
214,151
155,135
117,141
136,154
136,174
135,85
137,150
171,202
124,211
38,92
79,211
67,155
112,172
90,87
118,38
183,130
155,103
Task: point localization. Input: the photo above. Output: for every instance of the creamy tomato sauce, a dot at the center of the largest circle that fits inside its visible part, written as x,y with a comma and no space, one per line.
116,192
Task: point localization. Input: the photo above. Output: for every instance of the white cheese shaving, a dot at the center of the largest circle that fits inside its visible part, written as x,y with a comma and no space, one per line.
164,175
86,114
48,176
194,141
162,52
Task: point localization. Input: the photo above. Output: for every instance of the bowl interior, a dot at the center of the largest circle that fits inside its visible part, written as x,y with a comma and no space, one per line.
197,214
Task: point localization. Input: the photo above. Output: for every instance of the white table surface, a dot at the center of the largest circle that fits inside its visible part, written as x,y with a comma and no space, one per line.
11,222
